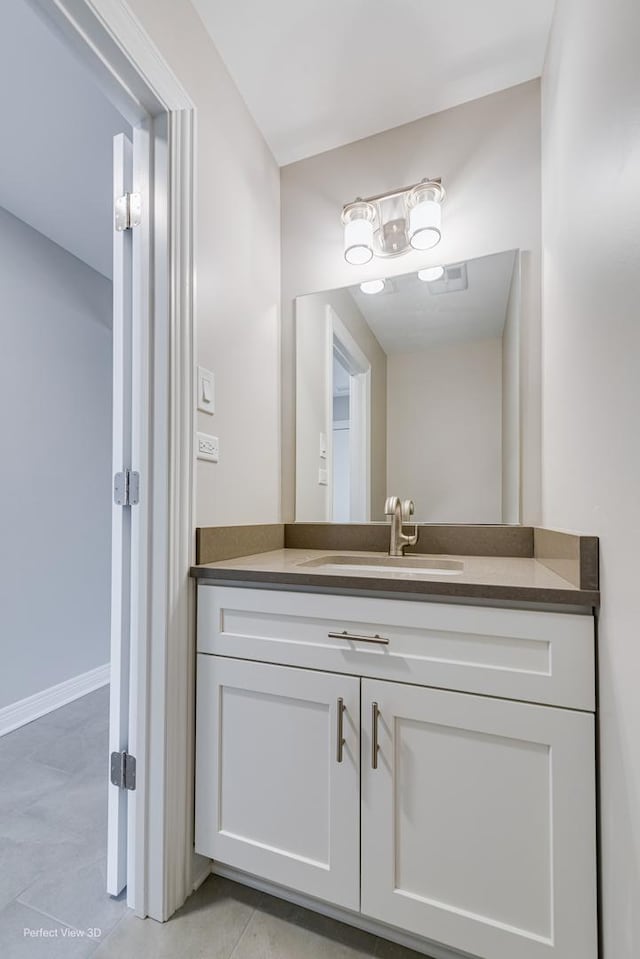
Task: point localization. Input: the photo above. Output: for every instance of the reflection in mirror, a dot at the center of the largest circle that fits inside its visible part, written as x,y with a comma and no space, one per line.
411,391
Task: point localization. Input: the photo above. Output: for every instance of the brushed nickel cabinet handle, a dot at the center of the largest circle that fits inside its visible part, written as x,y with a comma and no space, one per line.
356,638
375,712
340,729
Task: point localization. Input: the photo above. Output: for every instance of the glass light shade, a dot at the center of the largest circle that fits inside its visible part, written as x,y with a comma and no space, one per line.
425,215
372,286
425,221
358,220
431,274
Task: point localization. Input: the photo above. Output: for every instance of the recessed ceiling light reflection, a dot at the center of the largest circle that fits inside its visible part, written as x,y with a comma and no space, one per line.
372,286
431,274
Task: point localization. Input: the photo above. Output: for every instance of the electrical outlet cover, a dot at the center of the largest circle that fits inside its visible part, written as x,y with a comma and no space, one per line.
208,447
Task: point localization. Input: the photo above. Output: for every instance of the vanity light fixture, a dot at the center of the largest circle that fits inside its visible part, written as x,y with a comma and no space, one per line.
358,219
391,224
431,274
425,215
372,286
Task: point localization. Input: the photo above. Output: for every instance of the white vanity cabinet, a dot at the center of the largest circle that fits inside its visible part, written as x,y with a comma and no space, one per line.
478,824
277,795
389,772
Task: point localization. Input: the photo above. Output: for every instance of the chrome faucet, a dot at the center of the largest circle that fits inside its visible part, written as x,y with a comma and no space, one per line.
399,513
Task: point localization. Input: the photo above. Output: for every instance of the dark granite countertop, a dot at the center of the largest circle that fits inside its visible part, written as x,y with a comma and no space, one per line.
519,580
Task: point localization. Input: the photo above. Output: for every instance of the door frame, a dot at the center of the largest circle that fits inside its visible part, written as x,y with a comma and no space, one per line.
133,74
341,341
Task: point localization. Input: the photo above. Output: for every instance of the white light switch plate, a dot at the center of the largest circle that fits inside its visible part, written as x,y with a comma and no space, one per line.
206,391
208,447
323,477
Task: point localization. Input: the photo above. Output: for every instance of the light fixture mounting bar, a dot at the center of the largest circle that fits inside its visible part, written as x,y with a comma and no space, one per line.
389,194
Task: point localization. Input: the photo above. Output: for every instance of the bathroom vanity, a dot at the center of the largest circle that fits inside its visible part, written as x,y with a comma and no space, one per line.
409,748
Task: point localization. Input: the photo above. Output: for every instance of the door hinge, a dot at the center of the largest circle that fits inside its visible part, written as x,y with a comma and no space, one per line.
123,770
128,209
126,488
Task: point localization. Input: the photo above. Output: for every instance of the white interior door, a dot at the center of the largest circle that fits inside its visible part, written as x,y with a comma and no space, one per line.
277,791
129,551
478,824
121,520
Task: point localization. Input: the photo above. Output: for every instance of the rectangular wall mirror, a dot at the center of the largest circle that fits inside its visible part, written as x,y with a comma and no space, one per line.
412,391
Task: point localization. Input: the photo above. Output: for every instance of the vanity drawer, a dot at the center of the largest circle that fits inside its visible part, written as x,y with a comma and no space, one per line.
538,657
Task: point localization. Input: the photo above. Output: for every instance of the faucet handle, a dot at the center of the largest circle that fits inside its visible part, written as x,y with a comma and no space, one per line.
408,509
390,506
413,539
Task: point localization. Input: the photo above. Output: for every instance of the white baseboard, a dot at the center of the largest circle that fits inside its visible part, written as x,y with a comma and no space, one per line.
26,710
432,950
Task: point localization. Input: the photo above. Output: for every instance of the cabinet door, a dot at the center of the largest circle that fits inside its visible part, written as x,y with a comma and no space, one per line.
478,824
277,795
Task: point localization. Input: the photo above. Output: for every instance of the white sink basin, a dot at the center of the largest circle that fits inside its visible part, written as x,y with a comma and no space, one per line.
405,565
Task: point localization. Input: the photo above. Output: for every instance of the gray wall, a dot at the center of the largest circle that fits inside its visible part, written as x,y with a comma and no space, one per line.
591,385
444,412
55,480
53,109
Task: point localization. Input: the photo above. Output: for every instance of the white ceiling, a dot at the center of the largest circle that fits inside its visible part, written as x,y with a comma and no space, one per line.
57,135
406,317
316,75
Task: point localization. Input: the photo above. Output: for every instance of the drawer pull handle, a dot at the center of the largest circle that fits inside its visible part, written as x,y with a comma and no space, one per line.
340,731
355,638
375,712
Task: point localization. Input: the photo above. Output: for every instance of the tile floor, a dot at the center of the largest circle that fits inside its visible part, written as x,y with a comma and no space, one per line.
53,822
52,869
224,920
